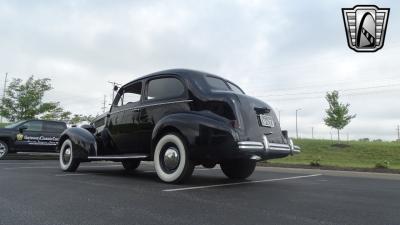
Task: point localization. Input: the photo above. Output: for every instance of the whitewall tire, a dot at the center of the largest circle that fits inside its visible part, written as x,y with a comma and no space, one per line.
171,159
68,161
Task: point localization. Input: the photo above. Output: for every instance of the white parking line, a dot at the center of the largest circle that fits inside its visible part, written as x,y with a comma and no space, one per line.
240,183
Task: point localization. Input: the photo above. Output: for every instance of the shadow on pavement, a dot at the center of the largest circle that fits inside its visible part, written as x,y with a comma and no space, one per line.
31,156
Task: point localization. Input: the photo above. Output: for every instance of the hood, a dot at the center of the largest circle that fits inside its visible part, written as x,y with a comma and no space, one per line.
6,131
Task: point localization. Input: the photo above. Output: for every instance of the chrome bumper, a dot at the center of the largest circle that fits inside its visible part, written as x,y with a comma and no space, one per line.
270,147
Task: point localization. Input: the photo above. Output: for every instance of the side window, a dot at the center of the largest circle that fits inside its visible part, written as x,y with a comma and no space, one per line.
54,127
34,125
131,94
164,88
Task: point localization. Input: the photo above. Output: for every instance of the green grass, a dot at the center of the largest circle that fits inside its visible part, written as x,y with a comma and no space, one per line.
357,155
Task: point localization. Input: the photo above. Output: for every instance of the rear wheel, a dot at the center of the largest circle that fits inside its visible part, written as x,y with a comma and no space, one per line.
171,159
68,161
238,169
130,165
3,149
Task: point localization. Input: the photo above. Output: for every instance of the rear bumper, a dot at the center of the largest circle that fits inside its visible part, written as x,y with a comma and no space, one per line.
265,149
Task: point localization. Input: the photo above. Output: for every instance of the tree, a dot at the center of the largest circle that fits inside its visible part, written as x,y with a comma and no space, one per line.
77,118
338,113
25,100
57,113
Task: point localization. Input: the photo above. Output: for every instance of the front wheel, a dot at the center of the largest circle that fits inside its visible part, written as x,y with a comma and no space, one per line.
238,169
3,149
68,161
171,159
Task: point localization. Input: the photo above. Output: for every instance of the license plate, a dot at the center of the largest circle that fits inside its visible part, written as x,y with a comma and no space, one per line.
266,121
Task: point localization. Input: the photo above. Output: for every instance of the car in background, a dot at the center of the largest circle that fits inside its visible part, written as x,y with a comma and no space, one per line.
31,136
179,119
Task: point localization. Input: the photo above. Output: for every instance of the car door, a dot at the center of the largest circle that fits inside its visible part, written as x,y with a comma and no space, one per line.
123,119
30,141
164,95
51,134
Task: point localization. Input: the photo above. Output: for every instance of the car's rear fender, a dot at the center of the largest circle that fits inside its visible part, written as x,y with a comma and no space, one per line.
205,132
84,143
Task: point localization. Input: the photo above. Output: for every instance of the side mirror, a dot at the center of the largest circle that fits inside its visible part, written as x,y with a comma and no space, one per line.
89,128
116,88
22,128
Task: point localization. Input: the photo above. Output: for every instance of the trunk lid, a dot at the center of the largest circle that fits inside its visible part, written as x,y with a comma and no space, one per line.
259,119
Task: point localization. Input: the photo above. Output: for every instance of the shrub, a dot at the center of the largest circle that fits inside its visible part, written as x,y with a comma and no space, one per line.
316,162
382,165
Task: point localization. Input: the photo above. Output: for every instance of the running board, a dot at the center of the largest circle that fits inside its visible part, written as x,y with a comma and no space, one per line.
122,156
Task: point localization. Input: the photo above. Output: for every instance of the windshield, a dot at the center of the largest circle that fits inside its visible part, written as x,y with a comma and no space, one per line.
221,85
14,125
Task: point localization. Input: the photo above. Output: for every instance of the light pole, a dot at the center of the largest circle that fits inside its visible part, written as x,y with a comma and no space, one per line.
115,88
4,94
297,130
279,116
312,132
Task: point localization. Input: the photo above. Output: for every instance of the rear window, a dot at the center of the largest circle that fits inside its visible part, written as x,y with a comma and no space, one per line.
54,127
217,84
221,85
235,88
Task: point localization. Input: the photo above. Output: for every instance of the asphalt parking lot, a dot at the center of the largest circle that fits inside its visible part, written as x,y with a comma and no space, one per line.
37,192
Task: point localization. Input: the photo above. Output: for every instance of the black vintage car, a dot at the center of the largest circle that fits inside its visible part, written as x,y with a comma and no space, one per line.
178,119
30,136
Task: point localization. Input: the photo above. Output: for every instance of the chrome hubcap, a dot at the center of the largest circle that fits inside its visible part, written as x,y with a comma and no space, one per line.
2,150
171,158
66,155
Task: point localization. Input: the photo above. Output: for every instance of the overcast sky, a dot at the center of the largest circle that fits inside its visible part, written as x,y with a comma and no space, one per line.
287,53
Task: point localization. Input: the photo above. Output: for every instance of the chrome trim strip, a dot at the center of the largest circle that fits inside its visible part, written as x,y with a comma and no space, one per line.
280,149
266,143
149,105
255,157
279,145
164,103
249,143
250,147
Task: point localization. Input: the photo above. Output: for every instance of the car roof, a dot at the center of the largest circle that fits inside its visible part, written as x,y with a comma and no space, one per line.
55,121
186,74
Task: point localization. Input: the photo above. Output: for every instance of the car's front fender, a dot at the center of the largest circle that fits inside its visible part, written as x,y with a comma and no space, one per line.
84,143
